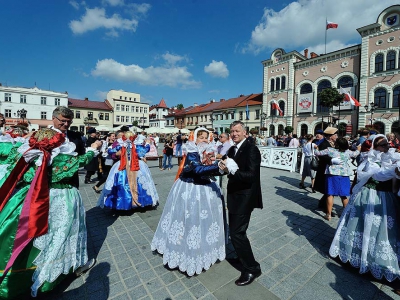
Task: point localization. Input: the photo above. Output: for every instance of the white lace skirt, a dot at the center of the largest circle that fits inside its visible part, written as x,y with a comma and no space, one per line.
64,245
190,233
368,234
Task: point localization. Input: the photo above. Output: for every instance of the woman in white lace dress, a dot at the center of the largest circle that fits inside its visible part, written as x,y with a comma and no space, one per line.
190,233
368,235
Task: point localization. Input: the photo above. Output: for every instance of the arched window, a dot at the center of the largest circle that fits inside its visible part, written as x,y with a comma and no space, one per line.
271,129
380,98
283,82
272,87
391,60
303,129
395,126
273,110
396,96
306,89
321,126
380,127
280,129
345,81
282,107
379,63
278,83
324,84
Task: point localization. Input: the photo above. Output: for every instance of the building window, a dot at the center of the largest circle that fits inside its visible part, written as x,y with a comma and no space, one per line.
232,116
137,109
141,109
282,107
283,82
7,113
106,116
272,129
43,115
201,118
240,115
7,97
43,100
117,118
303,129
134,99
257,114
57,101
321,86
132,109
130,98
122,119
90,115
127,108
345,81
380,98
78,114
205,118
306,89
379,63
22,99
272,87
391,61
120,97
145,110
132,119
101,116
278,83
122,107
125,98
118,107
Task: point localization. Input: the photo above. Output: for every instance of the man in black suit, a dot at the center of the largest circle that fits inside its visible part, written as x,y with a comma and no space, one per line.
244,194
62,120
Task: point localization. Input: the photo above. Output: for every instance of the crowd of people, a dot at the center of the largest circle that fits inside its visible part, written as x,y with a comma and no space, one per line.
43,221
217,186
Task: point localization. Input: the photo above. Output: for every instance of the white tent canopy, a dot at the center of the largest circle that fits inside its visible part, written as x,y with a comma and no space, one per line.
103,128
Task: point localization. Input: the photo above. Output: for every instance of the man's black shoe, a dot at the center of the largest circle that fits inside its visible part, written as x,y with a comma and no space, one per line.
247,278
87,181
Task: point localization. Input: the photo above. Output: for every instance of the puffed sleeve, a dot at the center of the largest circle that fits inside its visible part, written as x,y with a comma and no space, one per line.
194,166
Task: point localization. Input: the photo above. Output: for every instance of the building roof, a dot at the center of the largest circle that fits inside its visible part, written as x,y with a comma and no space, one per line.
77,103
162,104
253,99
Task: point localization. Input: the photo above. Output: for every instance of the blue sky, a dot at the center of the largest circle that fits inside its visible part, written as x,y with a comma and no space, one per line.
180,50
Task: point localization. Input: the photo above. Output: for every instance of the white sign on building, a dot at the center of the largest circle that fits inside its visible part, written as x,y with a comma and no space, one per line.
304,103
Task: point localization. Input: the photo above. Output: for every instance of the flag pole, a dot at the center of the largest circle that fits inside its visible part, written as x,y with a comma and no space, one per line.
326,22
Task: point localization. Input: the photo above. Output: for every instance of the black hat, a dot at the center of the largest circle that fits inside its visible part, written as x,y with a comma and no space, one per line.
91,130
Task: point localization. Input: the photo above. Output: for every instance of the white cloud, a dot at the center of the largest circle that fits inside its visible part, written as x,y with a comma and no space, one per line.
214,91
172,59
96,18
172,76
138,9
74,4
302,23
114,2
217,69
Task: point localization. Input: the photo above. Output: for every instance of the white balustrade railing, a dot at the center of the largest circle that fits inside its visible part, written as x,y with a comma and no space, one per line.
282,158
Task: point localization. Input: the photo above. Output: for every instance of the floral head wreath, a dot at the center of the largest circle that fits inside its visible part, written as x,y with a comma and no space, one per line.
200,129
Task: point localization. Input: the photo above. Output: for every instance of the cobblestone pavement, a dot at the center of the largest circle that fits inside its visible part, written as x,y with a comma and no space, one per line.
289,237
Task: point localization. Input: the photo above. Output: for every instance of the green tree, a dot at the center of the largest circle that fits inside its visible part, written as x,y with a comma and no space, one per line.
330,97
288,129
179,106
135,123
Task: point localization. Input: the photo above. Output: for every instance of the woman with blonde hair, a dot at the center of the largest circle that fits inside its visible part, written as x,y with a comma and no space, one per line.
190,234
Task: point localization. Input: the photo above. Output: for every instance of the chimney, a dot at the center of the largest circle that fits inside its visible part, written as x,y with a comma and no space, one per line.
306,53
314,55
86,99
195,104
221,100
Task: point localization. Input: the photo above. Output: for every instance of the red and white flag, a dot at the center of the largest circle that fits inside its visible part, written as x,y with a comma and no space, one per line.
275,105
348,97
331,25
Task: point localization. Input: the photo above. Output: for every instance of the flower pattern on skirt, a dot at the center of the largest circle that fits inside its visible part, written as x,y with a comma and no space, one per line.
190,234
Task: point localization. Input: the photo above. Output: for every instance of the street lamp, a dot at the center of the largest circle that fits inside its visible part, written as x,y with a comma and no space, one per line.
263,116
21,113
371,109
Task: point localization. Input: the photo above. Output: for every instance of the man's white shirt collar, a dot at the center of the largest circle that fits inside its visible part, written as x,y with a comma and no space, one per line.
239,144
